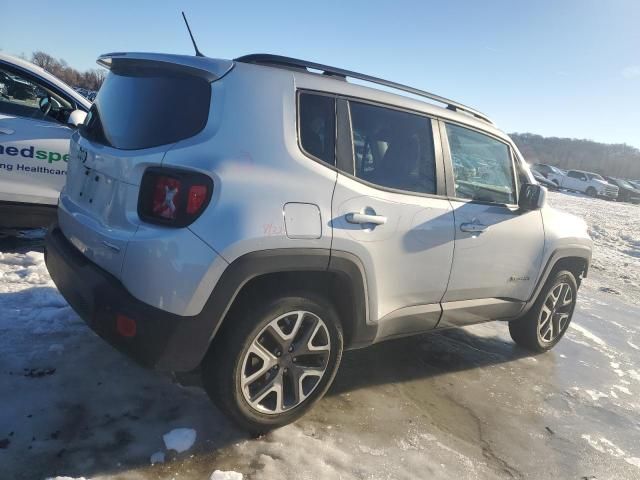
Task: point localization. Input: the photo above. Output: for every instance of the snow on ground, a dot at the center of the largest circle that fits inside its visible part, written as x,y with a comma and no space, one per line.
615,230
220,475
419,411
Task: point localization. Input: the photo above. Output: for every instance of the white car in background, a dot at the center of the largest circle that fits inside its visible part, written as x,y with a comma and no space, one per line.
585,182
38,114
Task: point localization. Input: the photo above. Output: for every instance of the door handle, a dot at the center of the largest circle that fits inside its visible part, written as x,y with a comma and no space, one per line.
473,227
366,218
6,131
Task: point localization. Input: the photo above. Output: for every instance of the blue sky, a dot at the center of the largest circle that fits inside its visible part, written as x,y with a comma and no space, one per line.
567,68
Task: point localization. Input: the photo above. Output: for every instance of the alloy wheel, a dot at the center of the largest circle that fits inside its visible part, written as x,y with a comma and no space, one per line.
285,362
555,313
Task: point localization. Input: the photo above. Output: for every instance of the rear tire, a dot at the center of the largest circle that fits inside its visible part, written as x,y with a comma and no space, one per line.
289,347
548,319
592,192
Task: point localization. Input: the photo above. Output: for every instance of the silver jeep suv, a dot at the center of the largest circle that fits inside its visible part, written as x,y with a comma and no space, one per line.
252,219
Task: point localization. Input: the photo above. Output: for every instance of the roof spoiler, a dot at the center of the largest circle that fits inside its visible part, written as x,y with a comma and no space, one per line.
288,62
210,69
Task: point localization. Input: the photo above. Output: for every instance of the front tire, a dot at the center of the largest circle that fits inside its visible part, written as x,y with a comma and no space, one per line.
548,319
592,192
273,360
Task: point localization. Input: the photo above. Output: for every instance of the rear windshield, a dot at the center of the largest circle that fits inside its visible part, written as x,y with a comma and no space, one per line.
147,109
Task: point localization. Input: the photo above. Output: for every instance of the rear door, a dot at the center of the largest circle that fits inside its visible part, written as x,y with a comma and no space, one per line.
498,248
389,209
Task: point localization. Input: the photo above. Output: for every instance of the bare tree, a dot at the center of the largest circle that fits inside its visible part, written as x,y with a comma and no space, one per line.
43,60
91,79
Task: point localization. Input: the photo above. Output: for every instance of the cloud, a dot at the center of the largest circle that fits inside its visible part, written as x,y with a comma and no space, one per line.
632,71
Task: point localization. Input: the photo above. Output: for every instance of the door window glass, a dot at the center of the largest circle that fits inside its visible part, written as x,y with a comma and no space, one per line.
22,97
393,149
318,126
482,166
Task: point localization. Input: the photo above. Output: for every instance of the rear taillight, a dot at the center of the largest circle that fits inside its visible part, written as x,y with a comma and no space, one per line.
173,197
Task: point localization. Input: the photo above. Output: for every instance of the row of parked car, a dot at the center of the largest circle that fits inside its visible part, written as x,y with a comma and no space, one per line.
88,94
590,183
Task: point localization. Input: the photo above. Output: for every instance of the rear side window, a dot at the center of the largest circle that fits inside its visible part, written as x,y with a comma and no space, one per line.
482,166
393,149
318,126
147,109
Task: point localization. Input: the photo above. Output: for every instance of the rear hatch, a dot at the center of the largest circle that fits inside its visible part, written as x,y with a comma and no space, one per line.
147,103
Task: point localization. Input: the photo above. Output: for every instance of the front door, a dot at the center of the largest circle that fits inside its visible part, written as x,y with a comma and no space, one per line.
387,212
498,248
34,144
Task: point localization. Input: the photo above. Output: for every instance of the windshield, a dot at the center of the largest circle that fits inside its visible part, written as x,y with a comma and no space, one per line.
147,109
595,176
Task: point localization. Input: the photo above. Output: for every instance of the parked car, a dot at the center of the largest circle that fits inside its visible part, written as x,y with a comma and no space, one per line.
542,180
38,114
232,229
545,170
585,182
626,191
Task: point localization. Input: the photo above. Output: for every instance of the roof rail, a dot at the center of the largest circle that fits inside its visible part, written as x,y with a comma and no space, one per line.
280,61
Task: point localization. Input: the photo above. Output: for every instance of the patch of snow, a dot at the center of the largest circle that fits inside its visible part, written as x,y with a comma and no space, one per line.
603,445
596,395
157,457
633,345
586,333
634,374
179,439
635,461
66,478
622,389
376,452
229,475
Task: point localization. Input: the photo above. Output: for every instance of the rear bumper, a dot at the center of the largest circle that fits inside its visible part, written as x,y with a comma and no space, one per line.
162,340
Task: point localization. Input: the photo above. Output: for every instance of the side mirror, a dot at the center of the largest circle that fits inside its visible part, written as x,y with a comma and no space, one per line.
532,197
44,104
76,117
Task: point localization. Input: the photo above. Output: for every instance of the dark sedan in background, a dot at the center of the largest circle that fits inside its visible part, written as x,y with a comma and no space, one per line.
626,191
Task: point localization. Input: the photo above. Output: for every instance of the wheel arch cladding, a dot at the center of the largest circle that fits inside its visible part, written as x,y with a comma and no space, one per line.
575,260
339,278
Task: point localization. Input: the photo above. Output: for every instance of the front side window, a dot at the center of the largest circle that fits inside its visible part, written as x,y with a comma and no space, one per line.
482,166
23,97
318,126
393,149
578,175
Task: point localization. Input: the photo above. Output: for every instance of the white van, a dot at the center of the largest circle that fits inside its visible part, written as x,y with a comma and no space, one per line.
38,114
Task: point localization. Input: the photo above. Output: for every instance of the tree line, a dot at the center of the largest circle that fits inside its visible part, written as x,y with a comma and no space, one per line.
90,79
614,160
